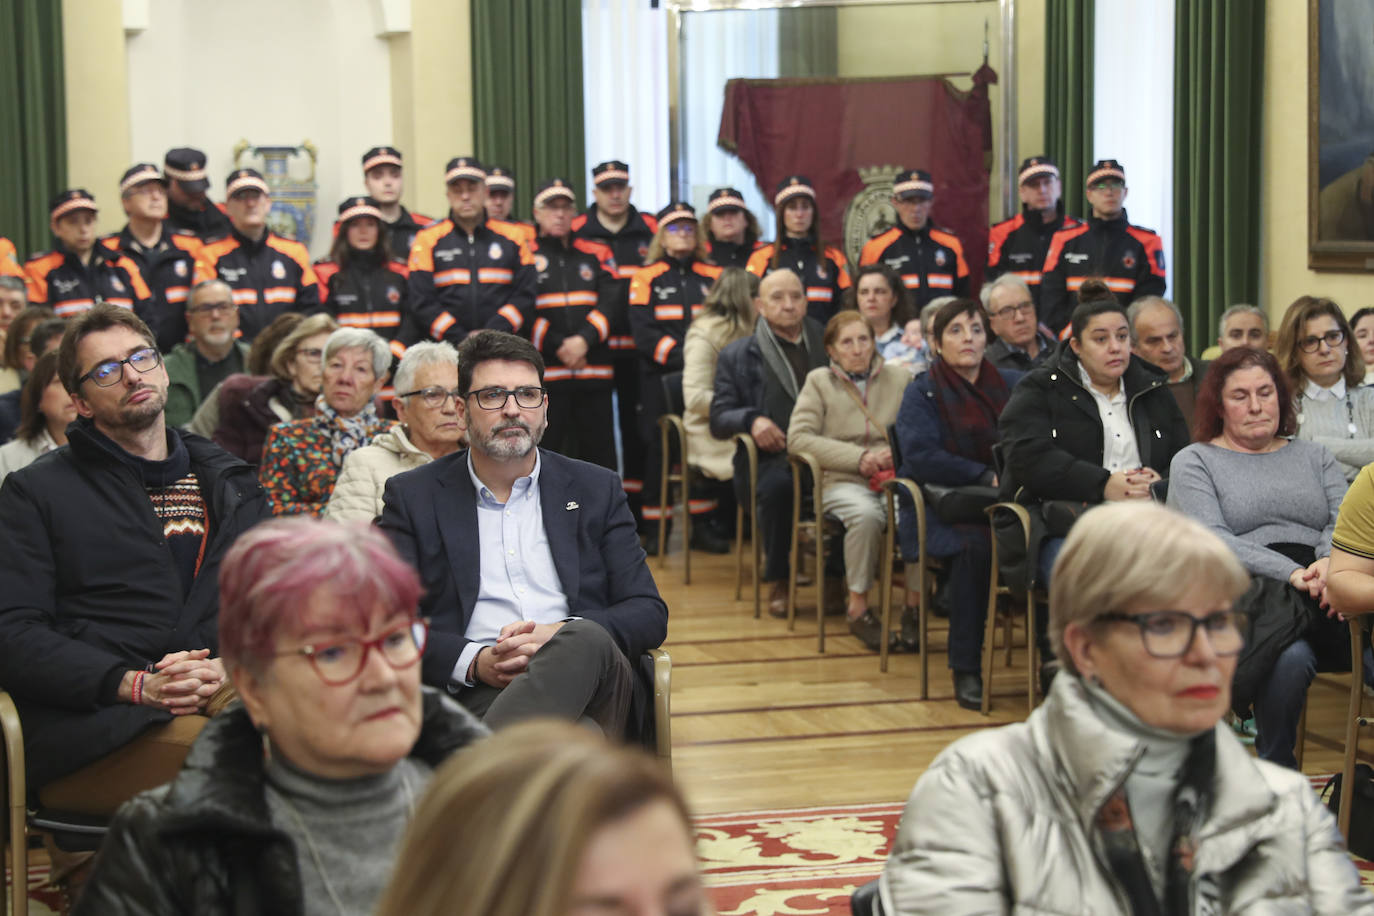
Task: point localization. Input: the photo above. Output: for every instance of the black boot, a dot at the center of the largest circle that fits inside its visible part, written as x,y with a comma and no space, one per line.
968,689
909,638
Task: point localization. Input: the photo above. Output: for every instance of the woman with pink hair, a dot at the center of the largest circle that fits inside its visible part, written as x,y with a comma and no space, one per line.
295,799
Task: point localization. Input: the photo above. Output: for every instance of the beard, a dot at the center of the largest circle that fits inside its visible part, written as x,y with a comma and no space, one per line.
136,417
501,447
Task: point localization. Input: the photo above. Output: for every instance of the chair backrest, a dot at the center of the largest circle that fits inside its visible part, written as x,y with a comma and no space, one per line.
892,444
673,399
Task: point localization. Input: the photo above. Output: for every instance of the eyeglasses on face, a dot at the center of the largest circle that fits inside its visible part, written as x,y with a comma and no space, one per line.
437,395
682,227
1107,184
341,662
209,307
313,354
1170,634
1331,338
1020,308
527,396
111,371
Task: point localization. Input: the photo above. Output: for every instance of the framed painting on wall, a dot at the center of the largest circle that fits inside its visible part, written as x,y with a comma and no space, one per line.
1340,159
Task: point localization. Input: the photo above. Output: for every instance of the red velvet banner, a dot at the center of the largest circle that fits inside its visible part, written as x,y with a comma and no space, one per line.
829,129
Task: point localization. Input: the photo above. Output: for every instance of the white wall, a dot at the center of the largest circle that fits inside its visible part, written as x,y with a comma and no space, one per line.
274,72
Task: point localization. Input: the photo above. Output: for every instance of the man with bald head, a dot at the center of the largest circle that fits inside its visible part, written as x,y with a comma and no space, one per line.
757,382
1157,337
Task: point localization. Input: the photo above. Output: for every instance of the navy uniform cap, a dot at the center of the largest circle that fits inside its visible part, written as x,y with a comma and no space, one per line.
1106,168
353,207
793,186
551,189
245,180
676,211
381,155
913,184
725,199
609,172
499,178
186,166
464,167
1036,166
70,201
139,174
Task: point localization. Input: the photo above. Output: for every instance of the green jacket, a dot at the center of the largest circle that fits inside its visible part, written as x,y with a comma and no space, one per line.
184,394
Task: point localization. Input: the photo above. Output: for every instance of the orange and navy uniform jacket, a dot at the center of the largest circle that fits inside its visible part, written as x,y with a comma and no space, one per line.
1019,245
9,261
370,294
207,225
169,269
929,260
269,277
574,293
461,283
58,280
527,231
1129,259
732,254
629,247
664,298
404,231
823,275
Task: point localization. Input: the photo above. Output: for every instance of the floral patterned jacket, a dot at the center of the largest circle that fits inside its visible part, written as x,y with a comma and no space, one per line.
298,469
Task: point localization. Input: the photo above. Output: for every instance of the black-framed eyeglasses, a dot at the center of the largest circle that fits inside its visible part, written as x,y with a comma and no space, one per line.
436,395
1021,308
209,307
339,663
108,373
1331,338
527,396
1170,634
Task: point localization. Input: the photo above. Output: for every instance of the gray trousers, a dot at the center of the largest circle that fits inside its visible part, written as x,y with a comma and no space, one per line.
864,517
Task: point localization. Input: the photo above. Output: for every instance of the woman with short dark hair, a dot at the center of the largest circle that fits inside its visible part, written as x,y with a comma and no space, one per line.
45,409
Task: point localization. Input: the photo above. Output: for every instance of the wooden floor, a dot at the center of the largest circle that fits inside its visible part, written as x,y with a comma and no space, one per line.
762,721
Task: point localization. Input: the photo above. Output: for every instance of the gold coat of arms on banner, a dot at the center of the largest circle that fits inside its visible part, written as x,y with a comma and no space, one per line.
293,195
870,213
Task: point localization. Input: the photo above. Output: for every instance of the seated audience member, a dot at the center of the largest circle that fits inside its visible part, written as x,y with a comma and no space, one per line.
535,585
45,411
1243,326
249,406
13,301
361,284
256,363
1157,337
108,560
878,295
732,230
301,459
1093,424
196,367
757,382
798,248
946,429
1021,342
726,316
609,821
1326,375
296,800
426,403
1125,791
1350,576
841,418
1362,324
913,338
40,336
17,357
1274,501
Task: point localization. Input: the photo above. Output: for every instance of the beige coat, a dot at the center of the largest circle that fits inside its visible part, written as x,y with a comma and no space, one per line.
1002,822
828,422
706,337
357,493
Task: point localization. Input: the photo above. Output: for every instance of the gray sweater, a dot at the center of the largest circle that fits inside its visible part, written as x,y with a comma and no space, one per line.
354,827
1328,422
1289,496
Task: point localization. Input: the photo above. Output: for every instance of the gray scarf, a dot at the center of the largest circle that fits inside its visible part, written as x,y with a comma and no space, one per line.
774,358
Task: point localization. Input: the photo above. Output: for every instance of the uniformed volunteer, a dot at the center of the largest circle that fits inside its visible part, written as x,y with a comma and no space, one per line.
1019,245
188,207
383,178
361,284
78,272
930,260
501,198
732,230
822,268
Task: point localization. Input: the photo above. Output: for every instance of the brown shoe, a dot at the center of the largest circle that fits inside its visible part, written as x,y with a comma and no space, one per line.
777,600
868,628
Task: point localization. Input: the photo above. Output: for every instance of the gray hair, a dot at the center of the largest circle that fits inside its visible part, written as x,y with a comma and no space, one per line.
14,283
928,313
1144,302
1132,556
428,353
1006,281
1242,308
361,339
206,284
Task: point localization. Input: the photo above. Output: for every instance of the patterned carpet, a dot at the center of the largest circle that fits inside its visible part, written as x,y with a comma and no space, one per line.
807,861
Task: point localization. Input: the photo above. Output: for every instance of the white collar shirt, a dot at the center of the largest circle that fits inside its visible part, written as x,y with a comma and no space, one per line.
1120,451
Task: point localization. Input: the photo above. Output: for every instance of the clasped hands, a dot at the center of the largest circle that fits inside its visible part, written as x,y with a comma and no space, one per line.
1131,484
498,665
181,683
1312,579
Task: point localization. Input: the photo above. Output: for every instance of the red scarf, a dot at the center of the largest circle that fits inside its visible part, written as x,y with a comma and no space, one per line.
969,412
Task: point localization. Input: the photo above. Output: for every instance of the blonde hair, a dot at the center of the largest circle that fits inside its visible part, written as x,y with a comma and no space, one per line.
701,252
535,792
286,350
1124,556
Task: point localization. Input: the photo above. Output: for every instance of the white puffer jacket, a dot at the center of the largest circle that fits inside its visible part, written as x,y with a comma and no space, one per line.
357,494
1002,822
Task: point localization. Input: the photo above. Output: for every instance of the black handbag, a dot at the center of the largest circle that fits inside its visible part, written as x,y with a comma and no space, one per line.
1279,615
959,505
1361,841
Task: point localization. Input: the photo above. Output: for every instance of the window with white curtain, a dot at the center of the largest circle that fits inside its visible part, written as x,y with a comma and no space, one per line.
1133,111
625,94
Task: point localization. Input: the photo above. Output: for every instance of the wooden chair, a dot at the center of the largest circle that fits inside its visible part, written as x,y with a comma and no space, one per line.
920,573
997,589
1355,721
801,463
668,424
663,710
751,452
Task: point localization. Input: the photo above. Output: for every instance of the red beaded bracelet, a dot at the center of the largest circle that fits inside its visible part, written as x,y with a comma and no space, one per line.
138,688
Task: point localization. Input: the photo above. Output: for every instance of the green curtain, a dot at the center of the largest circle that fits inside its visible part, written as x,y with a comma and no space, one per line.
527,86
33,119
1218,94
1069,94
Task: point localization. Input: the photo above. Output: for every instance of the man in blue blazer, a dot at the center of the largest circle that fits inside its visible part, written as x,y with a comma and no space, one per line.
536,586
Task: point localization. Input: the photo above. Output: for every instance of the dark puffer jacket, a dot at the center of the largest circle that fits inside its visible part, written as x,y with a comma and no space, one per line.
205,843
1052,432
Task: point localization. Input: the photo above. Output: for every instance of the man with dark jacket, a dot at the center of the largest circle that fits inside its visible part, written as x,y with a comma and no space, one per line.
212,354
757,382
109,557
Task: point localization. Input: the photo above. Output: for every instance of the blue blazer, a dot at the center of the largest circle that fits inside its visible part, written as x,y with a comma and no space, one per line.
430,513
